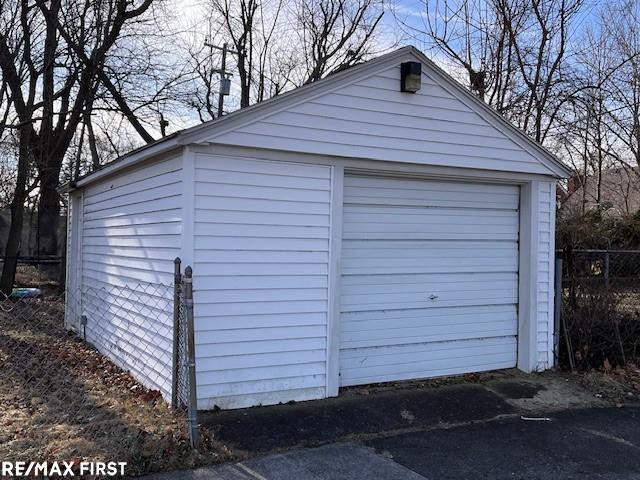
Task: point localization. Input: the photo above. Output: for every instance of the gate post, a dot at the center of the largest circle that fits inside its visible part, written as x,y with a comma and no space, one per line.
177,280
557,312
191,359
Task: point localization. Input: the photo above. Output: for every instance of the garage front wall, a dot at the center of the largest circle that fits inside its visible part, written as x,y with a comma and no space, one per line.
261,269
274,250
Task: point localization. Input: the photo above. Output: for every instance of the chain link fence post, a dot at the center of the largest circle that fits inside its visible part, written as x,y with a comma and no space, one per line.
177,282
191,359
557,312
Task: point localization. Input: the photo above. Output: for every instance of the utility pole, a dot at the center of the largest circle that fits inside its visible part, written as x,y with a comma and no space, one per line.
222,79
225,80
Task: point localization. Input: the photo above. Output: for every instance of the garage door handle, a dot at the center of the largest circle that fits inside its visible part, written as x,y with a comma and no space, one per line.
433,297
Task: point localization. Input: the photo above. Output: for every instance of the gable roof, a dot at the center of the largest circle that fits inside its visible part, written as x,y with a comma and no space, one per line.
203,132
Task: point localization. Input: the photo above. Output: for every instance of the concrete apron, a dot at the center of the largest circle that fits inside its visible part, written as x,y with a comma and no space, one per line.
338,461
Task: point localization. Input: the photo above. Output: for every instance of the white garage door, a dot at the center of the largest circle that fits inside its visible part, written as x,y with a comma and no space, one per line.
429,279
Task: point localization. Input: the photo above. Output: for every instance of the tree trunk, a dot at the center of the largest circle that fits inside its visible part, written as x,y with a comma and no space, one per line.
17,214
49,211
48,214
62,275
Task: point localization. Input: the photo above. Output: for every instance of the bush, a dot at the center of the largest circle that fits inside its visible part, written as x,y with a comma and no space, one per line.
599,334
601,294
597,229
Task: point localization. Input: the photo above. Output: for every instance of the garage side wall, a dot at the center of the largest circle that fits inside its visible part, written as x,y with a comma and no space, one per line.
261,253
130,233
545,273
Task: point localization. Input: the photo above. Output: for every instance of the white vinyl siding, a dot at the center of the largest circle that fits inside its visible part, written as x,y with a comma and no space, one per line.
131,233
429,278
261,251
546,264
301,272
371,118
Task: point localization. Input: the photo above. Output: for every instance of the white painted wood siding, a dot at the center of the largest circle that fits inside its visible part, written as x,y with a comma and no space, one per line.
261,249
429,278
546,265
370,118
131,233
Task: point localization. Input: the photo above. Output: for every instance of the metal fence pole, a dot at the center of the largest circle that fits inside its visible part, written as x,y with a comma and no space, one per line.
191,359
177,280
557,312
606,269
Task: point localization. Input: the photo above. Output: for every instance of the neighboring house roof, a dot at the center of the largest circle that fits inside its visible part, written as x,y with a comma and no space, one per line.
619,192
204,132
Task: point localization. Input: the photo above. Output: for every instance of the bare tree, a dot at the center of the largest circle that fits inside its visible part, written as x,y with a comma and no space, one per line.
336,33
513,52
473,36
278,44
540,56
598,124
52,54
250,30
621,25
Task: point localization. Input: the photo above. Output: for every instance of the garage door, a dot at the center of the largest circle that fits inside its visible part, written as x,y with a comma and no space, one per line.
429,279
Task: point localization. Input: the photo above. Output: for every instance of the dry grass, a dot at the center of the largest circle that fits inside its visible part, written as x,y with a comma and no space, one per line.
32,276
60,399
619,385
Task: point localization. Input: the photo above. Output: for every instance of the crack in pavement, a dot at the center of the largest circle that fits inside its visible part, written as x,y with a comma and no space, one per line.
420,429
613,438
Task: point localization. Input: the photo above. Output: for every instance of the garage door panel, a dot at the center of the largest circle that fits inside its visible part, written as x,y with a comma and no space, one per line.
359,214
404,183
402,362
374,201
427,249
425,334
366,258
415,292
385,191
354,358
502,293
388,266
386,330
415,366
451,301
429,278
427,231
363,321
393,292
430,370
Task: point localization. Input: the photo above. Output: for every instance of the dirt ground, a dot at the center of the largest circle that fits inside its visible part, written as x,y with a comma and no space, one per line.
62,400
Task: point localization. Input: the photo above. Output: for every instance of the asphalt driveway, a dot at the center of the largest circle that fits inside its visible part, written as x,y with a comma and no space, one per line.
509,428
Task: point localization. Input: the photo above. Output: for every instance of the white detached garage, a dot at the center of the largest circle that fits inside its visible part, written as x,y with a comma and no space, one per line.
344,233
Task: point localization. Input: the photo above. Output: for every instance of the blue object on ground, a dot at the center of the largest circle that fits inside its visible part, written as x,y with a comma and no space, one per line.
26,292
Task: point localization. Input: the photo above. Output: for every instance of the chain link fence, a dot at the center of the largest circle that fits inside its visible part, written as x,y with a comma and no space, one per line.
599,313
105,373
